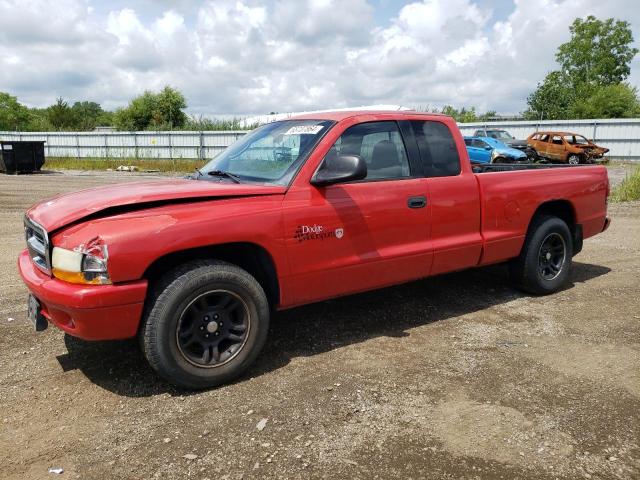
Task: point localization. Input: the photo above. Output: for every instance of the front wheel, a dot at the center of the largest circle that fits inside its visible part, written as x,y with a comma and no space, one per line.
573,159
205,323
545,261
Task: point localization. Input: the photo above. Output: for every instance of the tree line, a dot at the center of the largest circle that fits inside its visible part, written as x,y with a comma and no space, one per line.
163,110
589,83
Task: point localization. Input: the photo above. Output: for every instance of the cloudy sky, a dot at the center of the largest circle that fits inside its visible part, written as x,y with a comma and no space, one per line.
248,56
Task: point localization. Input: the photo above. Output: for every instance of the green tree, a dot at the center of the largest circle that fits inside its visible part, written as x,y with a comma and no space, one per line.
13,115
39,120
593,65
88,115
487,115
464,115
163,110
610,101
138,115
599,52
552,100
170,106
60,115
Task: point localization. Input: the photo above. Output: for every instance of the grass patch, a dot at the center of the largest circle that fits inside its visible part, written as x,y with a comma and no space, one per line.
629,189
163,165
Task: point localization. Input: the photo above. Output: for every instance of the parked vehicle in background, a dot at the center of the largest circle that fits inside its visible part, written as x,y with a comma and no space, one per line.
490,150
565,147
508,139
296,211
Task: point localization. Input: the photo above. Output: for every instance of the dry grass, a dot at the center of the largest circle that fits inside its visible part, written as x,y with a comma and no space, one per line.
629,189
161,165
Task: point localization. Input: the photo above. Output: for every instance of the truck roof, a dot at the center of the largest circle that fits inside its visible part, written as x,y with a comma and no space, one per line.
341,115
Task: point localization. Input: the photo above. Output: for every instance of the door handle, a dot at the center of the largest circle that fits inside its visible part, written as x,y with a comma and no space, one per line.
417,202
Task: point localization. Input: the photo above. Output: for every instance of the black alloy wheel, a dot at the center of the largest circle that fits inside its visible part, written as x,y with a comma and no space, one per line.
551,256
213,328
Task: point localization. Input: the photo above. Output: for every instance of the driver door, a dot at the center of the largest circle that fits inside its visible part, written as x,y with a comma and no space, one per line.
359,235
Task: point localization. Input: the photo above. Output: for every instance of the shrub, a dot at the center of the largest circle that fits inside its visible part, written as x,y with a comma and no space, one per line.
629,189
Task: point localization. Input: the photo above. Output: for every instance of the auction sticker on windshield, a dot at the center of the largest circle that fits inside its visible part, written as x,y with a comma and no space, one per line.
304,130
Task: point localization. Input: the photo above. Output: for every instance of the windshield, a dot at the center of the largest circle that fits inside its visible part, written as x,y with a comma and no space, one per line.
269,154
499,134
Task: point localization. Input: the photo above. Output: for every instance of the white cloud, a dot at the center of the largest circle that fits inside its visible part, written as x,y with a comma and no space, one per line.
246,56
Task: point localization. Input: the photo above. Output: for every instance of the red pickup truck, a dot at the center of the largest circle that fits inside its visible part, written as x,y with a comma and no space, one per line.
296,211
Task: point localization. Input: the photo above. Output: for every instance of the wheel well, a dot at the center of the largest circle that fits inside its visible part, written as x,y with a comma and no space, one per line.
251,257
564,210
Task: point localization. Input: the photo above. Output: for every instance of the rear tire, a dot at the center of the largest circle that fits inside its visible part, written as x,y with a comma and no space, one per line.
205,324
544,264
574,159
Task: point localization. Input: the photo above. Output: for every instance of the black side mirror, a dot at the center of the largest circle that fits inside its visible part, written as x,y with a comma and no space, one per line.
487,147
342,168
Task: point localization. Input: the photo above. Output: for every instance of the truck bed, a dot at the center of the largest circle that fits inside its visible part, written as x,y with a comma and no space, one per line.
510,195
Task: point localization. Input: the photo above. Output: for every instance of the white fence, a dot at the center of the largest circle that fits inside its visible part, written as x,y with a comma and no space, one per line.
169,145
621,137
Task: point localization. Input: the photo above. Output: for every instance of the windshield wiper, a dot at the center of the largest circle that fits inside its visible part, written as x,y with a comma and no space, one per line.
222,173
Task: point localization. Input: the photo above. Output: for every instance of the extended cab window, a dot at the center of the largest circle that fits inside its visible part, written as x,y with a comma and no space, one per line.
380,145
437,147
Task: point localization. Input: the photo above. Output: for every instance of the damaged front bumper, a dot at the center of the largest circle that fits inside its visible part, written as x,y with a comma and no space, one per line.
90,312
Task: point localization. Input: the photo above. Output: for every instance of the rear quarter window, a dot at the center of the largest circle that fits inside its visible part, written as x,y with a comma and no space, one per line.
438,151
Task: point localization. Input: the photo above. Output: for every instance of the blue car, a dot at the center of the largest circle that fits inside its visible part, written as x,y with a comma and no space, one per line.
490,150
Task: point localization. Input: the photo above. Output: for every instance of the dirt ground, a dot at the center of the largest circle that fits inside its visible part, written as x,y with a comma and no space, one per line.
457,376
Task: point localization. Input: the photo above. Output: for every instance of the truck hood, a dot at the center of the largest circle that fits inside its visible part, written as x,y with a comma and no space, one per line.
68,208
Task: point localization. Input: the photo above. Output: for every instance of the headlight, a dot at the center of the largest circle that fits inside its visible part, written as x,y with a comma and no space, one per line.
84,264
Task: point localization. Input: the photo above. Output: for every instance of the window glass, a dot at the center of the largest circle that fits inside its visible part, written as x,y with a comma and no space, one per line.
468,142
379,144
544,138
437,148
271,153
557,140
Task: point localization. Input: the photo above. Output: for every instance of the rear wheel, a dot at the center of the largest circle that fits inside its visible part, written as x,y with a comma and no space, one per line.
205,324
544,263
573,159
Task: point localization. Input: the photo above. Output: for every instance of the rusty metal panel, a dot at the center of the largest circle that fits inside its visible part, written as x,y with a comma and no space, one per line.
621,136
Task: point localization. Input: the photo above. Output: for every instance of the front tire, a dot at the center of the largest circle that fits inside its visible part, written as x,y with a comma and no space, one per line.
574,159
205,324
544,263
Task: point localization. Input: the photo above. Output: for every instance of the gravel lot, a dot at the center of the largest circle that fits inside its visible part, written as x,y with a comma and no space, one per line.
457,376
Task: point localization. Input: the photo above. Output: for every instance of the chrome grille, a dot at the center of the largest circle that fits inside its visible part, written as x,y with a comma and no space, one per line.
38,245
